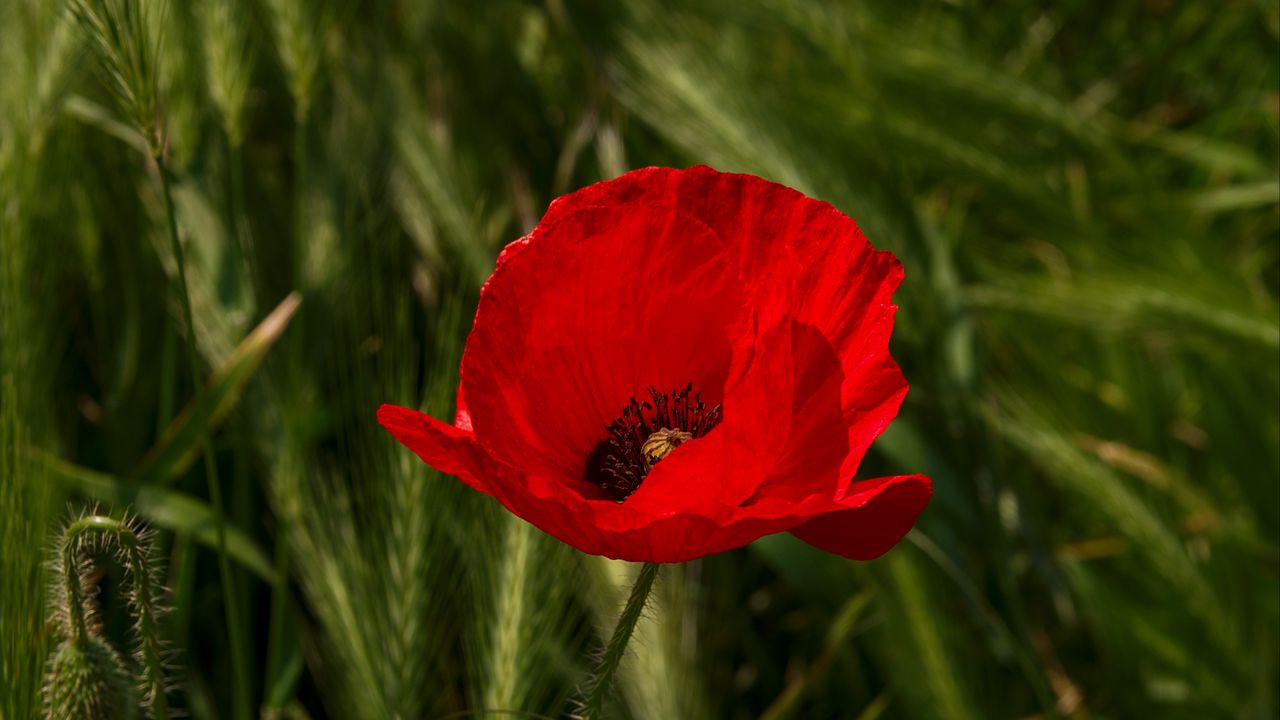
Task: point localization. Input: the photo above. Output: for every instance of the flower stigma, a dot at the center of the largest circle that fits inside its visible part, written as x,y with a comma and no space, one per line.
660,444
644,434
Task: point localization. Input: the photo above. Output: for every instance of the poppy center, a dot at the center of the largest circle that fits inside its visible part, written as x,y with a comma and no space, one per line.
645,433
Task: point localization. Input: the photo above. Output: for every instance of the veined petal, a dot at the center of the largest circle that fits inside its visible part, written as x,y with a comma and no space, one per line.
843,290
605,304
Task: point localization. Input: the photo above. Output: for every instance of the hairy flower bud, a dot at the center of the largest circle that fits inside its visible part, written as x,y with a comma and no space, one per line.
88,679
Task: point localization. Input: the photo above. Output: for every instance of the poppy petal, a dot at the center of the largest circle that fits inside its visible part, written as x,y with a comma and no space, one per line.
444,447
718,472
454,451
848,299
594,526
571,327
877,514
844,288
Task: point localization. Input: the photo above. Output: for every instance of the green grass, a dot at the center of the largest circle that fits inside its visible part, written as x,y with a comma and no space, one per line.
1086,197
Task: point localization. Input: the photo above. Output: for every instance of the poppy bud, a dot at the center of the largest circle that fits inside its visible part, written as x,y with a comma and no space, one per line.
87,679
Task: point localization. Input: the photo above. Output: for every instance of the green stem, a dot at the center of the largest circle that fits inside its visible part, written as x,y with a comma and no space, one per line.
239,685
144,603
297,257
281,639
150,634
602,680
71,576
299,199
239,224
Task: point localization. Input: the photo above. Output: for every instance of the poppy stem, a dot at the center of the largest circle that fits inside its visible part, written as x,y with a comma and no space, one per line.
600,683
135,554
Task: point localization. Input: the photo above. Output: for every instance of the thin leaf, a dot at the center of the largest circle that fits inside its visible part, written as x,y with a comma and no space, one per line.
168,509
179,446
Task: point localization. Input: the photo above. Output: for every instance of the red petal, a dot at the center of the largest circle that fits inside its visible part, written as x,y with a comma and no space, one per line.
607,302
844,290
847,295
879,513
455,451
721,470
601,527
444,447
863,525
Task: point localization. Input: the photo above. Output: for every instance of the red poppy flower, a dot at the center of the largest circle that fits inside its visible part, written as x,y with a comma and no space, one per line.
677,362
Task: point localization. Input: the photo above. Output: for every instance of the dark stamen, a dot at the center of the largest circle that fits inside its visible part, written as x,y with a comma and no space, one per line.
645,433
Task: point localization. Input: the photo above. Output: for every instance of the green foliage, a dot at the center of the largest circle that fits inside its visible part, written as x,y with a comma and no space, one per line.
126,36
1084,196
178,445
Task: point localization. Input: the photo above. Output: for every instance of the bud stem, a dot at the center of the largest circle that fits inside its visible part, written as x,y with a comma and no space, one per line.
599,684
142,597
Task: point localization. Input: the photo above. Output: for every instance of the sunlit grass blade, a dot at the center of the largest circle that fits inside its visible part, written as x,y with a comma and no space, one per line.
842,626
924,654
1152,539
27,496
1127,307
179,446
95,115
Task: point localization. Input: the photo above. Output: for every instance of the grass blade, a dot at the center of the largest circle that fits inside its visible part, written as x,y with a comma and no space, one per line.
163,508
179,446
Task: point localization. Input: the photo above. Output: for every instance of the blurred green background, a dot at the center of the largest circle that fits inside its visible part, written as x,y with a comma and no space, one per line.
1084,195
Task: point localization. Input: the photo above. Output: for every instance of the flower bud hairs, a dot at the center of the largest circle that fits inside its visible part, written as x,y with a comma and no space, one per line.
87,676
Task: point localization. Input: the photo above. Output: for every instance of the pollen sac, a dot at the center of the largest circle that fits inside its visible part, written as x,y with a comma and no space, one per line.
660,444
